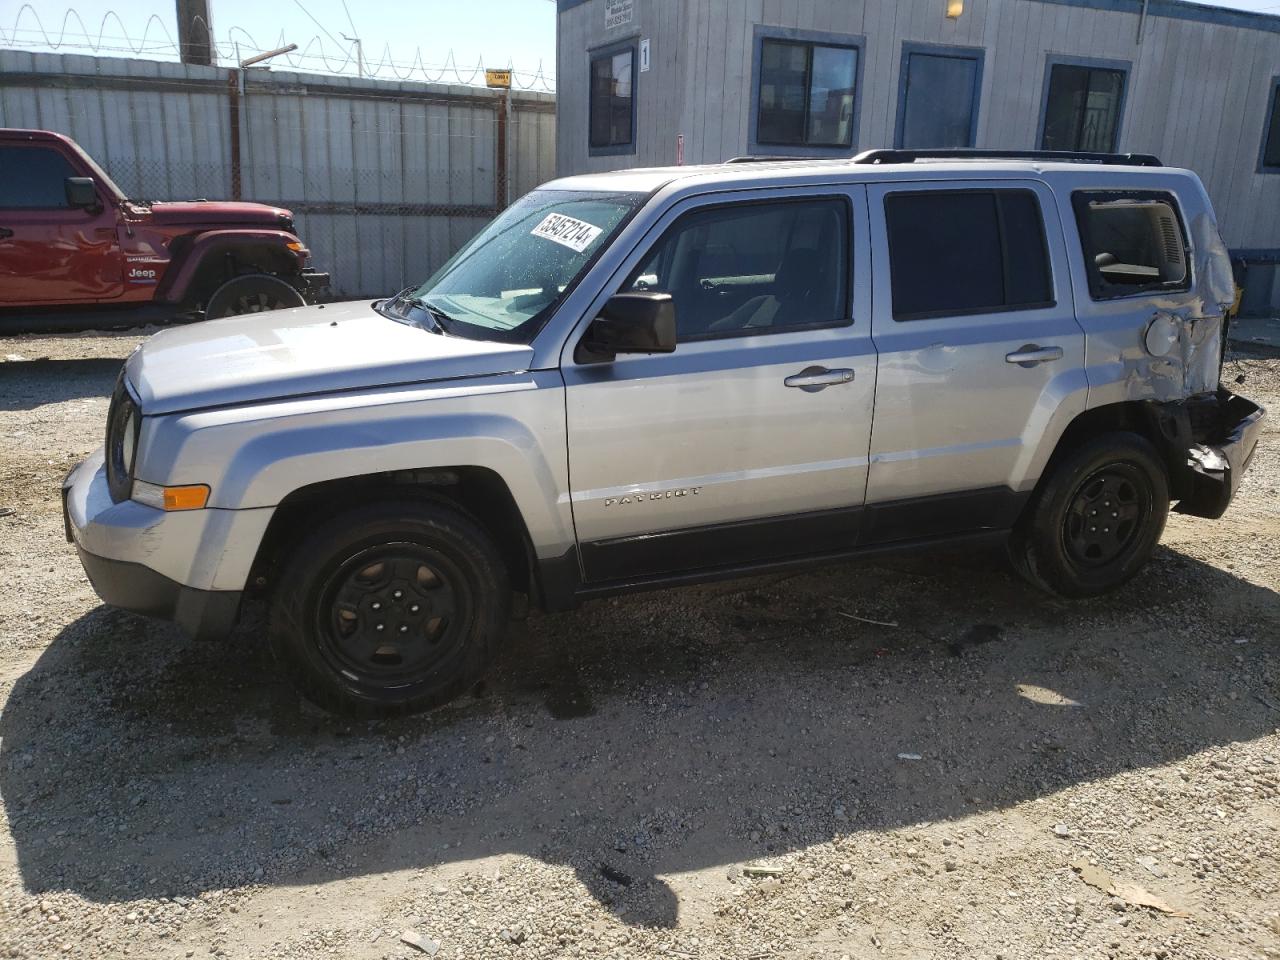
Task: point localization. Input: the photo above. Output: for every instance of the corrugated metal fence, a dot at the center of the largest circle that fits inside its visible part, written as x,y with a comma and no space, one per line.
386,179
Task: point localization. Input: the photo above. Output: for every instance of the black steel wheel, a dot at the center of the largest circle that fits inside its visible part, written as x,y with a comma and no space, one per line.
251,293
1106,514
1095,518
390,608
393,611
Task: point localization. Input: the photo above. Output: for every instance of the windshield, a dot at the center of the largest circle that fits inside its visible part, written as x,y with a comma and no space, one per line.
504,283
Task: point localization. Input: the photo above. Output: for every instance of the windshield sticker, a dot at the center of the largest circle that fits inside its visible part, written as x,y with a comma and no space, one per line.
577,235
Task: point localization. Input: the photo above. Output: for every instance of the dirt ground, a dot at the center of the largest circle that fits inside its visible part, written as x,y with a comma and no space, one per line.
916,787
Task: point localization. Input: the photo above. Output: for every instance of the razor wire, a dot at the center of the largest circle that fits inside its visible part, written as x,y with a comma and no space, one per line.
29,31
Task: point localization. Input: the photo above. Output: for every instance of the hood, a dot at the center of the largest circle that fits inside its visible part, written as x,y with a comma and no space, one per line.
207,212
288,353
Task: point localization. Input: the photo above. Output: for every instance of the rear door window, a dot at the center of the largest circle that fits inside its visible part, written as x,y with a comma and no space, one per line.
1133,243
962,252
33,178
753,268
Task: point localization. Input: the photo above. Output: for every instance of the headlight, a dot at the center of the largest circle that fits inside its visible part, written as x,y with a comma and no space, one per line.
129,441
123,422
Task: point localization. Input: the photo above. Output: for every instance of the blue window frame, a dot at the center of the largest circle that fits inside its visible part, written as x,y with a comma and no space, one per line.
1269,154
611,106
939,89
805,92
1083,104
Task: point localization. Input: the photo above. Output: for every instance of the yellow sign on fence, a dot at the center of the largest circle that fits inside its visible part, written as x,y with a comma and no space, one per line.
498,78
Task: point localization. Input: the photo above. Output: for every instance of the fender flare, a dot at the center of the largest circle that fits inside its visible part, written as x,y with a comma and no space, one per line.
285,454
210,246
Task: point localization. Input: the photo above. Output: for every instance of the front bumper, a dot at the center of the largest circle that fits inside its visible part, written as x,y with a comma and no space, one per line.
1216,463
314,282
204,614
189,567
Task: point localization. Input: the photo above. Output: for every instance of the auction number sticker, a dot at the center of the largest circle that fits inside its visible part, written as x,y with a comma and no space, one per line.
577,235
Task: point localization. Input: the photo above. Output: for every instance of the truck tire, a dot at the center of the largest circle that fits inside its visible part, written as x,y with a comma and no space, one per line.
390,609
1095,521
251,293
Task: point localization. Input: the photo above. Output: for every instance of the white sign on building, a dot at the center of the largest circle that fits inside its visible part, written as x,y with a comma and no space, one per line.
618,12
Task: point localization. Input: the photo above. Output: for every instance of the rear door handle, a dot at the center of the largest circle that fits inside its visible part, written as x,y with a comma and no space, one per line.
1031,354
813,379
5,233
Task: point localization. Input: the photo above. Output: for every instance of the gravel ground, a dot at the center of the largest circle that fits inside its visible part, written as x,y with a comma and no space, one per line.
918,787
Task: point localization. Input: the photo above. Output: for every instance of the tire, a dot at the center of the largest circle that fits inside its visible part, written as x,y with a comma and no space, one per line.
1095,521
427,572
251,293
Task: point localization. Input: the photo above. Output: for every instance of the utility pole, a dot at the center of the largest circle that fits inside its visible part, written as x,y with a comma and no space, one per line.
359,54
195,32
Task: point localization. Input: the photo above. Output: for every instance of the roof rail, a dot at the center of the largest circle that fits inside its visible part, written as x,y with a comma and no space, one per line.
766,159
1061,156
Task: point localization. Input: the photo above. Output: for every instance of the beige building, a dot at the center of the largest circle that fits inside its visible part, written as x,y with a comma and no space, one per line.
654,82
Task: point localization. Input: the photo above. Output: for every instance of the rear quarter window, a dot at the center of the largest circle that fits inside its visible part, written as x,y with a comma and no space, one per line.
1134,243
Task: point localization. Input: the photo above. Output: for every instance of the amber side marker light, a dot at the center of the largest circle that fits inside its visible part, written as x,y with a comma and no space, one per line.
191,497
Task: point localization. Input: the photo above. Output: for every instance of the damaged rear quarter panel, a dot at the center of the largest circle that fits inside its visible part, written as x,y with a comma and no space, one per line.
1118,364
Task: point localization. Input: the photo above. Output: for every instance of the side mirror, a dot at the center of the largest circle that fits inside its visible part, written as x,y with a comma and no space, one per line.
642,322
82,193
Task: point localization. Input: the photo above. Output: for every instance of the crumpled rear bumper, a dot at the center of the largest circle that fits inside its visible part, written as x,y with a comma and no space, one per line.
1216,462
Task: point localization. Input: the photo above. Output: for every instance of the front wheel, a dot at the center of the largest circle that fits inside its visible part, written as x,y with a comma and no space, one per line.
251,293
390,609
1096,520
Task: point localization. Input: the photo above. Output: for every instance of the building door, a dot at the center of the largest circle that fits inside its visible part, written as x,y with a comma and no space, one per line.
979,350
938,97
749,442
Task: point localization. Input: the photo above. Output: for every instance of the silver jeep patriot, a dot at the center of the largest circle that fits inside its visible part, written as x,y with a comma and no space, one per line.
662,376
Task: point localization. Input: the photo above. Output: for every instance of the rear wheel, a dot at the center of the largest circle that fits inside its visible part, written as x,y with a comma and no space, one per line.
390,609
1096,520
251,293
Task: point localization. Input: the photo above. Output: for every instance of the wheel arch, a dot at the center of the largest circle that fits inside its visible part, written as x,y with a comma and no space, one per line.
210,259
479,492
1155,422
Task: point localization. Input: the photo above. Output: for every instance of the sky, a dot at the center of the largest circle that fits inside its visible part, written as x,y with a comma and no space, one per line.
522,32
519,32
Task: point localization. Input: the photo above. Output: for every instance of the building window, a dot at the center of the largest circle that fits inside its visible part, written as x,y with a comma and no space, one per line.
964,252
807,93
1082,108
1271,132
938,97
612,109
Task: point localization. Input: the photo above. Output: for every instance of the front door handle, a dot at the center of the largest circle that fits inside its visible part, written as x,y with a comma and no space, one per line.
1031,354
813,379
5,233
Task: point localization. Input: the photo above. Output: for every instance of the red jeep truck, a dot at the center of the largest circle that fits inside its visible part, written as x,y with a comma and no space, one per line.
76,253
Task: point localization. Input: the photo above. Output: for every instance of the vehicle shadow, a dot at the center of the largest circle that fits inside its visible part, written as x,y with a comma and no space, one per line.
29,384
632,739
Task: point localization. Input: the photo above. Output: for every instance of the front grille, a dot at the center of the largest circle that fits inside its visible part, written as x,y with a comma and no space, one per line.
121,415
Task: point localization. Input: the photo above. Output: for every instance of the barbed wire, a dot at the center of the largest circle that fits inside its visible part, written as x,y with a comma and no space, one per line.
29,32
